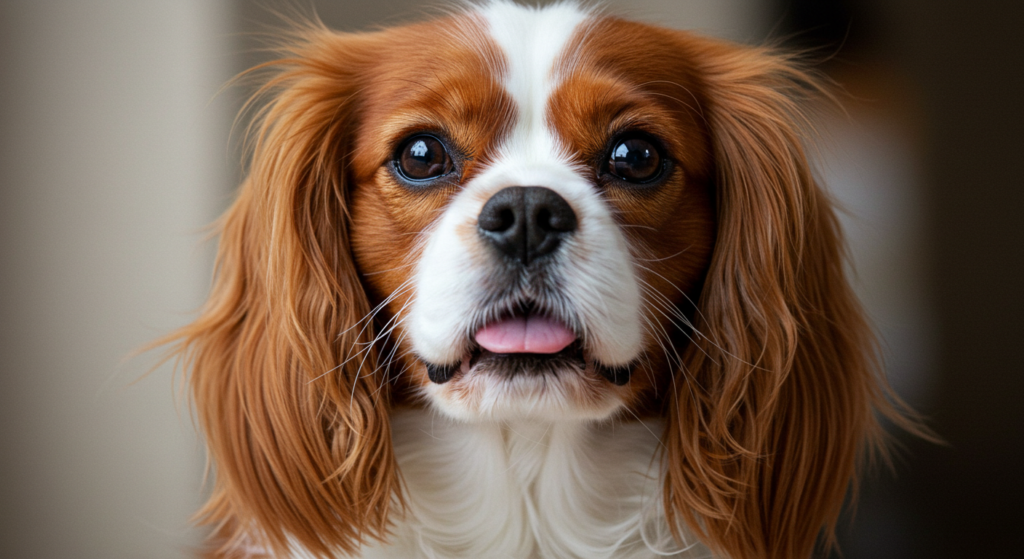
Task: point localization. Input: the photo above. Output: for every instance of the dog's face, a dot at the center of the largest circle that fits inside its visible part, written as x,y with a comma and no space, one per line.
532,213
532,205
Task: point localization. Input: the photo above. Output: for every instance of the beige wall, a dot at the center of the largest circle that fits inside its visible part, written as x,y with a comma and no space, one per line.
112,157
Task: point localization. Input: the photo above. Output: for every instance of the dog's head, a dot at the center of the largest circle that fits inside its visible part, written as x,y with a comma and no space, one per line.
532,208
517,213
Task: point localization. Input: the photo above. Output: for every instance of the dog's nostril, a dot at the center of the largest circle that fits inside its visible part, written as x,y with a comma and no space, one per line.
544,220
562,220
508,219
502,220
526,222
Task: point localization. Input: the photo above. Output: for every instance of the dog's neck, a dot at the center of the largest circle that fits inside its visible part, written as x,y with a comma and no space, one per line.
529,489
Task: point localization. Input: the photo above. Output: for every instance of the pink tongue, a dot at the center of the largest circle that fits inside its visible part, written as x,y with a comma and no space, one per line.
529,334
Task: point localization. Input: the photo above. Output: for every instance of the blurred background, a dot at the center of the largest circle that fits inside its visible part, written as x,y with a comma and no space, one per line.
116,151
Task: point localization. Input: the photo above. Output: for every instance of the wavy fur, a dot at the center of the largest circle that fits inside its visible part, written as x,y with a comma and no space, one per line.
298,453
783,396
776,402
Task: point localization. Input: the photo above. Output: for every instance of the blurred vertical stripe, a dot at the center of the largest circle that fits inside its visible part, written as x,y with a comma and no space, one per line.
113,158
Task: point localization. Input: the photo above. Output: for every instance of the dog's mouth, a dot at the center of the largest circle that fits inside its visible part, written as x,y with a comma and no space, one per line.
527,342
568,360
525,332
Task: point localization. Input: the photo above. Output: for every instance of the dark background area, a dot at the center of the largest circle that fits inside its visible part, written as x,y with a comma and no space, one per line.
965,61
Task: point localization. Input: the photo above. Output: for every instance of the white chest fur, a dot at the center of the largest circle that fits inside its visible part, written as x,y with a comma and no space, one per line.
528,490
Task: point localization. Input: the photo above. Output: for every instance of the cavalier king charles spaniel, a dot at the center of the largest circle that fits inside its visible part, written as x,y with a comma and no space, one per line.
531,283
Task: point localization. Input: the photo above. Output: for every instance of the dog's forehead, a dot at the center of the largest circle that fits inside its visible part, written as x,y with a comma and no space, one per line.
504,81
577,80
532,43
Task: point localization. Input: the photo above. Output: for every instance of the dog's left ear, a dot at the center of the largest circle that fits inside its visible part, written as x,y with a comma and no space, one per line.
279,364
779,395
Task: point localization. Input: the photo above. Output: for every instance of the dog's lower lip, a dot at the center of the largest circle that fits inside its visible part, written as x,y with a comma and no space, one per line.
516,363
572,352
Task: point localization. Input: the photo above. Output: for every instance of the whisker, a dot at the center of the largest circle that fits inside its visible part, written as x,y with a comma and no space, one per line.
398,291
697,309
666,257
366,321
378,272
653,434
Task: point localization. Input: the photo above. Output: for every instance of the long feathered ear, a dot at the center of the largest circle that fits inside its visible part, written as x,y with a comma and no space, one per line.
296,422
780,395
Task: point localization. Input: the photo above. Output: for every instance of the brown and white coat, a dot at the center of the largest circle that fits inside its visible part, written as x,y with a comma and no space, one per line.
720,387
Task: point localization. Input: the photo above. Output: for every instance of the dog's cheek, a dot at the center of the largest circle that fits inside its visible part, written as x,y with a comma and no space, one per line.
377,246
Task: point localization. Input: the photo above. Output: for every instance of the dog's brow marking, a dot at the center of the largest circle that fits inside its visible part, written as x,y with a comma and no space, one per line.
532,41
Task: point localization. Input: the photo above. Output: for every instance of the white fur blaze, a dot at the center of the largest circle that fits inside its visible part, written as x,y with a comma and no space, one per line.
593,267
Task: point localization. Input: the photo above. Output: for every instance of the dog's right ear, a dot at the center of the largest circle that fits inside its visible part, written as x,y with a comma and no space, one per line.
783,397
295,415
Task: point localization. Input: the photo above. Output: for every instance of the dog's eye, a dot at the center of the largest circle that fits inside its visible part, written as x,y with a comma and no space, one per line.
422,158
635,160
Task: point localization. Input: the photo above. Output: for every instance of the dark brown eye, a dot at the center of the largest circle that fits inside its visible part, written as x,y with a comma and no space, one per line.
423,158
635,160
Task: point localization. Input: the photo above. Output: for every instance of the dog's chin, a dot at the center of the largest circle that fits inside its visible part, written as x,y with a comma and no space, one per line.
562,386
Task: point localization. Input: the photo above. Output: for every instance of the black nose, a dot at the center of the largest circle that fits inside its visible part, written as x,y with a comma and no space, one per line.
526,222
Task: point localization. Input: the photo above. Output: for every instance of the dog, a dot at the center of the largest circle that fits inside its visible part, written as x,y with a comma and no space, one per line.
531,282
